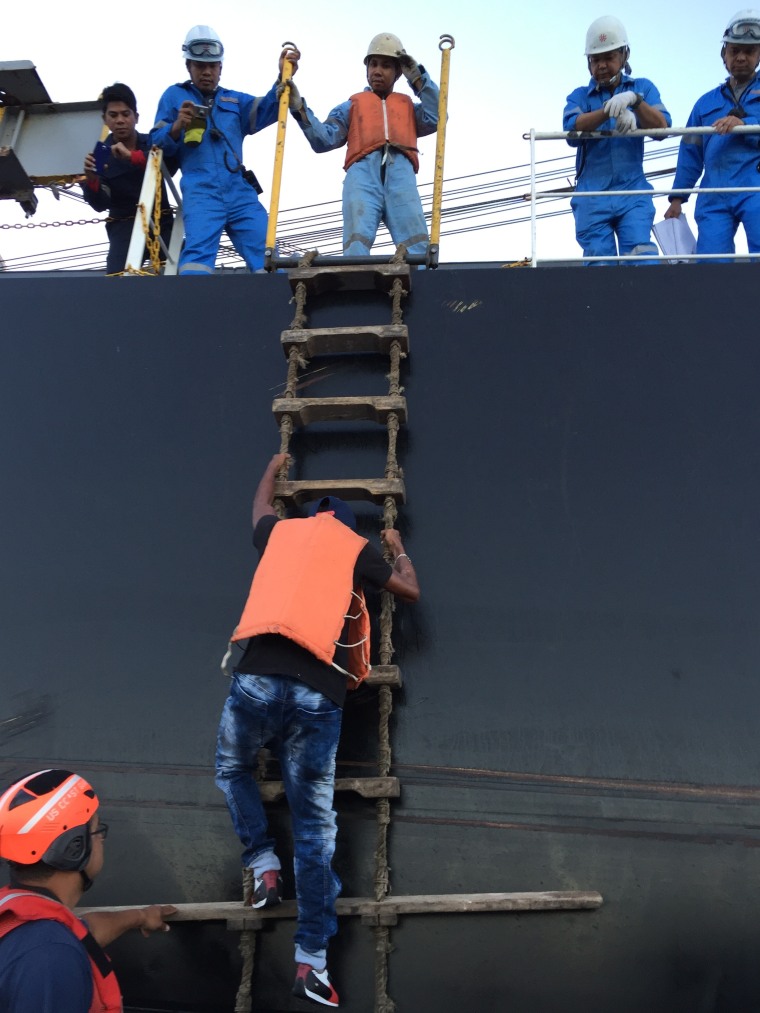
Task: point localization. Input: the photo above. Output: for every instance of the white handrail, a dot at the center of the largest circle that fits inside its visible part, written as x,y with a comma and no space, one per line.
655,133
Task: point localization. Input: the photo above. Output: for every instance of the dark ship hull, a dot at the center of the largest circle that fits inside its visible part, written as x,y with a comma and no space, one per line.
580,679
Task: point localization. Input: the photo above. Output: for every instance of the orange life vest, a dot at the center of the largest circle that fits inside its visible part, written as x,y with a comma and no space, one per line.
303,589
18,906
374,121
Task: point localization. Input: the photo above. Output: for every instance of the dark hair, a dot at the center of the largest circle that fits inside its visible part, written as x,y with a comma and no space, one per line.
118,93
39,872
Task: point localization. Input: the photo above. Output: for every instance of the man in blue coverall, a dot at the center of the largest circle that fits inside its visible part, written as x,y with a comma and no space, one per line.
202,126
381,128
612,101
726,158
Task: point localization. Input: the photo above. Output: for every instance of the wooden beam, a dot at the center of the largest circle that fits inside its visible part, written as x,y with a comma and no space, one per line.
240,917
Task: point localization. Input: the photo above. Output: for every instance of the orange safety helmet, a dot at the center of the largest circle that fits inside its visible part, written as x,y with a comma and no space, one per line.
44,817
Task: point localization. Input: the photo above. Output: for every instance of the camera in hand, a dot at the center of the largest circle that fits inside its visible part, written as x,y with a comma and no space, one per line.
197,128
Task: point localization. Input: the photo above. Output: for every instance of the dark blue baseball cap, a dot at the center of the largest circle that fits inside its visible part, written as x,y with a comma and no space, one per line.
336,506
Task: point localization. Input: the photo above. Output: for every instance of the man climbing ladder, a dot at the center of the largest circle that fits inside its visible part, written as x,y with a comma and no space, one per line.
287,695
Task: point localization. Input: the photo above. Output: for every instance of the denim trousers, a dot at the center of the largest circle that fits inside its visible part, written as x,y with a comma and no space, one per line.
301,728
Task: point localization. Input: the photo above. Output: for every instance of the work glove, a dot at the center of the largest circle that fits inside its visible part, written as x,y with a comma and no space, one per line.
409,67
614,106
295,102
625,122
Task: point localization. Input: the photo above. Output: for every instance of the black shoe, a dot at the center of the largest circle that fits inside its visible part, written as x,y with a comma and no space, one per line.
267,891
315,986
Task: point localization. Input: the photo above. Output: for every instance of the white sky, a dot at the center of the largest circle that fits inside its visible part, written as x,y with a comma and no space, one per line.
512,69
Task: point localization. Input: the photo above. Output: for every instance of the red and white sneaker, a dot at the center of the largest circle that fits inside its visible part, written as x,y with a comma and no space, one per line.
315,986
267,891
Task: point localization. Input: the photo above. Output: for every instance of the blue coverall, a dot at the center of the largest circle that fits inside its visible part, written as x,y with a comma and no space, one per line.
213,197
614,163
382,185
727,160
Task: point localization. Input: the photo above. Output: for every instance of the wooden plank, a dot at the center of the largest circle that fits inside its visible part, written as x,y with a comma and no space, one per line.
306,410
346,340
384,675
372,489
456,903
352,278
367,787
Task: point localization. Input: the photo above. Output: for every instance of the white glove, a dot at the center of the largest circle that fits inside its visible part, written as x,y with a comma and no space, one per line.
295,102
614,106
626,121
409,67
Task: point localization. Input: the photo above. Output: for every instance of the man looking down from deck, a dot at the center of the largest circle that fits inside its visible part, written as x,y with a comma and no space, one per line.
53,840
202,126
726,158
287,695
612,101
381,129
114,178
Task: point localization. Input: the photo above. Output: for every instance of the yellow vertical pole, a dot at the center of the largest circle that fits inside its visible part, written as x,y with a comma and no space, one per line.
279,154
445,45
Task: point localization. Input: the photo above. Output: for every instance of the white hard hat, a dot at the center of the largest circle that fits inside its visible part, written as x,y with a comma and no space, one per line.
604,35
384,44
203,45
743,29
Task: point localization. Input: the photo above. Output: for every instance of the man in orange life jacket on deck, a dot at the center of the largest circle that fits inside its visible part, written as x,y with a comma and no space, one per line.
381,128
287,694
53,840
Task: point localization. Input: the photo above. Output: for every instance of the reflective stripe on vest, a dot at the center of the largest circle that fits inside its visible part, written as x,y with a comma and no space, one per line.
374,122
303,589
18,906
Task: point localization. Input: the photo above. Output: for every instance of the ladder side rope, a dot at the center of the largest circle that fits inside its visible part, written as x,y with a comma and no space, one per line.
397,293
383,948
244,997
299,298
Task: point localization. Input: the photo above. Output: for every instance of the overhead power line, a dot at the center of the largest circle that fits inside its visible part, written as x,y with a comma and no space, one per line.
486,200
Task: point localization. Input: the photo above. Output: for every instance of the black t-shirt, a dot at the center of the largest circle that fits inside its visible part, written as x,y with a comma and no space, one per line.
272,654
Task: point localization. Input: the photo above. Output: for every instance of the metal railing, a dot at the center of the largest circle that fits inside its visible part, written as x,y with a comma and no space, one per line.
655,133
151,181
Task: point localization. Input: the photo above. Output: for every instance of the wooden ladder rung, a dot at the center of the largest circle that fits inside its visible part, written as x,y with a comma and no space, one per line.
373,490
306,410
384,675
346,340
367,787
350,278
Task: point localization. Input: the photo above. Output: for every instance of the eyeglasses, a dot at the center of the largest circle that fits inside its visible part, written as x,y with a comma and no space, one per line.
205,47
102,831
744,29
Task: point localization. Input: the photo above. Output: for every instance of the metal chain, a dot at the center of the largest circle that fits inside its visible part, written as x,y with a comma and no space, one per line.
152,242
55,225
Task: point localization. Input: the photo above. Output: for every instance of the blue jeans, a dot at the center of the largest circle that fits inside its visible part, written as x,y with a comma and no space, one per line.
301,727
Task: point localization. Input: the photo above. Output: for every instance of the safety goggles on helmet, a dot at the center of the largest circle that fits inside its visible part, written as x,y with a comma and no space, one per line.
743,31
201,48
